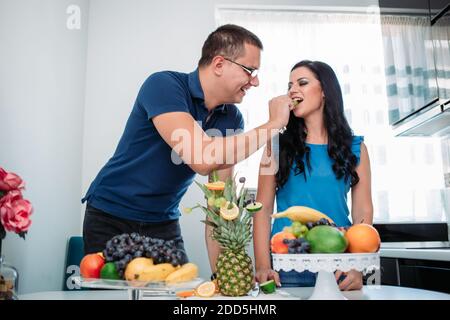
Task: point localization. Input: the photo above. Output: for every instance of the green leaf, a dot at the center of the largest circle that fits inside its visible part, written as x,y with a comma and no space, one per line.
243,189
208,193
211,215
228,192
214,176
209,223
234,188
246,218
242,197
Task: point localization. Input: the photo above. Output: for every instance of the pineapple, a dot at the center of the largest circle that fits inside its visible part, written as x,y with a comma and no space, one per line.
231,224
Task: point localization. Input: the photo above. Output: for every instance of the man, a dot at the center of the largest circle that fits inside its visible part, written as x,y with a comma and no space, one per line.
140,187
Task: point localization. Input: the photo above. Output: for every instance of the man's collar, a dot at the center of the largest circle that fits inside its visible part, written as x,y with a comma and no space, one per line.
196,90
194,85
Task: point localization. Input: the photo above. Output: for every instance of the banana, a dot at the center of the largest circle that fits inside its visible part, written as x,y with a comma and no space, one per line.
157,272
302,214
187,272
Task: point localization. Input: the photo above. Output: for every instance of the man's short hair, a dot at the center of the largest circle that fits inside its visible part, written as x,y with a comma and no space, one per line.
228,41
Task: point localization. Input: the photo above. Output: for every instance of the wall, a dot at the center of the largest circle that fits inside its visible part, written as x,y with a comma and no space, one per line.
42,78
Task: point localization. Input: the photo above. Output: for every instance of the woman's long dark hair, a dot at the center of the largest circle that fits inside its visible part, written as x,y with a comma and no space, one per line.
293,141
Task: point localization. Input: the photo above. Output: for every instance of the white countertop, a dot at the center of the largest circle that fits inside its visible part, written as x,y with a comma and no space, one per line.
416,253
372,292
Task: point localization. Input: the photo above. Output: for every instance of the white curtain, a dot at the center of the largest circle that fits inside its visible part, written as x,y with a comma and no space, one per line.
407,174
441,45
409,64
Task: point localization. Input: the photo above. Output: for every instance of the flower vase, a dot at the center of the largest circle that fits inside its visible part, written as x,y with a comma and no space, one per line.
9,279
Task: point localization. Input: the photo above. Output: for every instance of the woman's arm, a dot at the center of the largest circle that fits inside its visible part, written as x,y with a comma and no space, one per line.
262,221
362,207
362,212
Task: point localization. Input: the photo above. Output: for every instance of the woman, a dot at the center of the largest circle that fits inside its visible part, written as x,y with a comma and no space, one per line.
319,161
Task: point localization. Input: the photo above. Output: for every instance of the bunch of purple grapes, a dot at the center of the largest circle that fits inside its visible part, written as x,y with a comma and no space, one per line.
299,245
321,222
123,248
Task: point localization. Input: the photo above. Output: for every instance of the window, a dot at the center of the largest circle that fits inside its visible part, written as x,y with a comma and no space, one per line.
407,173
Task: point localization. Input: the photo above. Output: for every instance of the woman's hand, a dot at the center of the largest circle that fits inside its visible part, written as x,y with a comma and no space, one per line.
263,275
352,281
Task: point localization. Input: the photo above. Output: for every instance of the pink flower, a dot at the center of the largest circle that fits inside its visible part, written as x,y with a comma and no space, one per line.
15,212
10,181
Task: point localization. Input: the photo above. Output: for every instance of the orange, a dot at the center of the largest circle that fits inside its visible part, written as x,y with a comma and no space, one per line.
185,294
91,265
363,238
206,289
215,186
276,243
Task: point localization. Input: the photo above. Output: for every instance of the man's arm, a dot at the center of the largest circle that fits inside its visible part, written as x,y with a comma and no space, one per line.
204,153
213,246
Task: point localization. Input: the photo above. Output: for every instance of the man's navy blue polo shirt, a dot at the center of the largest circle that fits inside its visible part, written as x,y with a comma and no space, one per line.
141,182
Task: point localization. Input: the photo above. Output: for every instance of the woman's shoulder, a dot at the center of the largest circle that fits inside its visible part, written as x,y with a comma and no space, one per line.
356,145
357,140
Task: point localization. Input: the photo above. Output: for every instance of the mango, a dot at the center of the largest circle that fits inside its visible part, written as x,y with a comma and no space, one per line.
326,239
136,267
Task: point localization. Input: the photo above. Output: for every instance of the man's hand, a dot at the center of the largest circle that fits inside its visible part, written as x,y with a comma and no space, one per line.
352,281
279,108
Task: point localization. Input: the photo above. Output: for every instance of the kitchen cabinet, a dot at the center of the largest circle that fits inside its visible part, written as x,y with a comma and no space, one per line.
409,58
415,273
415,255
436,7
416,42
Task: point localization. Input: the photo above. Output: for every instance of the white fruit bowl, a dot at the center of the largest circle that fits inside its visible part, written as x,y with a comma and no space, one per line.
326,287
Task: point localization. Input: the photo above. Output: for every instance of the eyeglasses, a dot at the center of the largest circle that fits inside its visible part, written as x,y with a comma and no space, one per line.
252,72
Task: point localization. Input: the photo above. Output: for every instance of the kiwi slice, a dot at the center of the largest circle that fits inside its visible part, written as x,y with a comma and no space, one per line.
254,206
295,103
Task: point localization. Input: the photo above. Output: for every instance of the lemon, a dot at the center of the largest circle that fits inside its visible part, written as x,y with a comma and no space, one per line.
109,271
206,289
229,214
